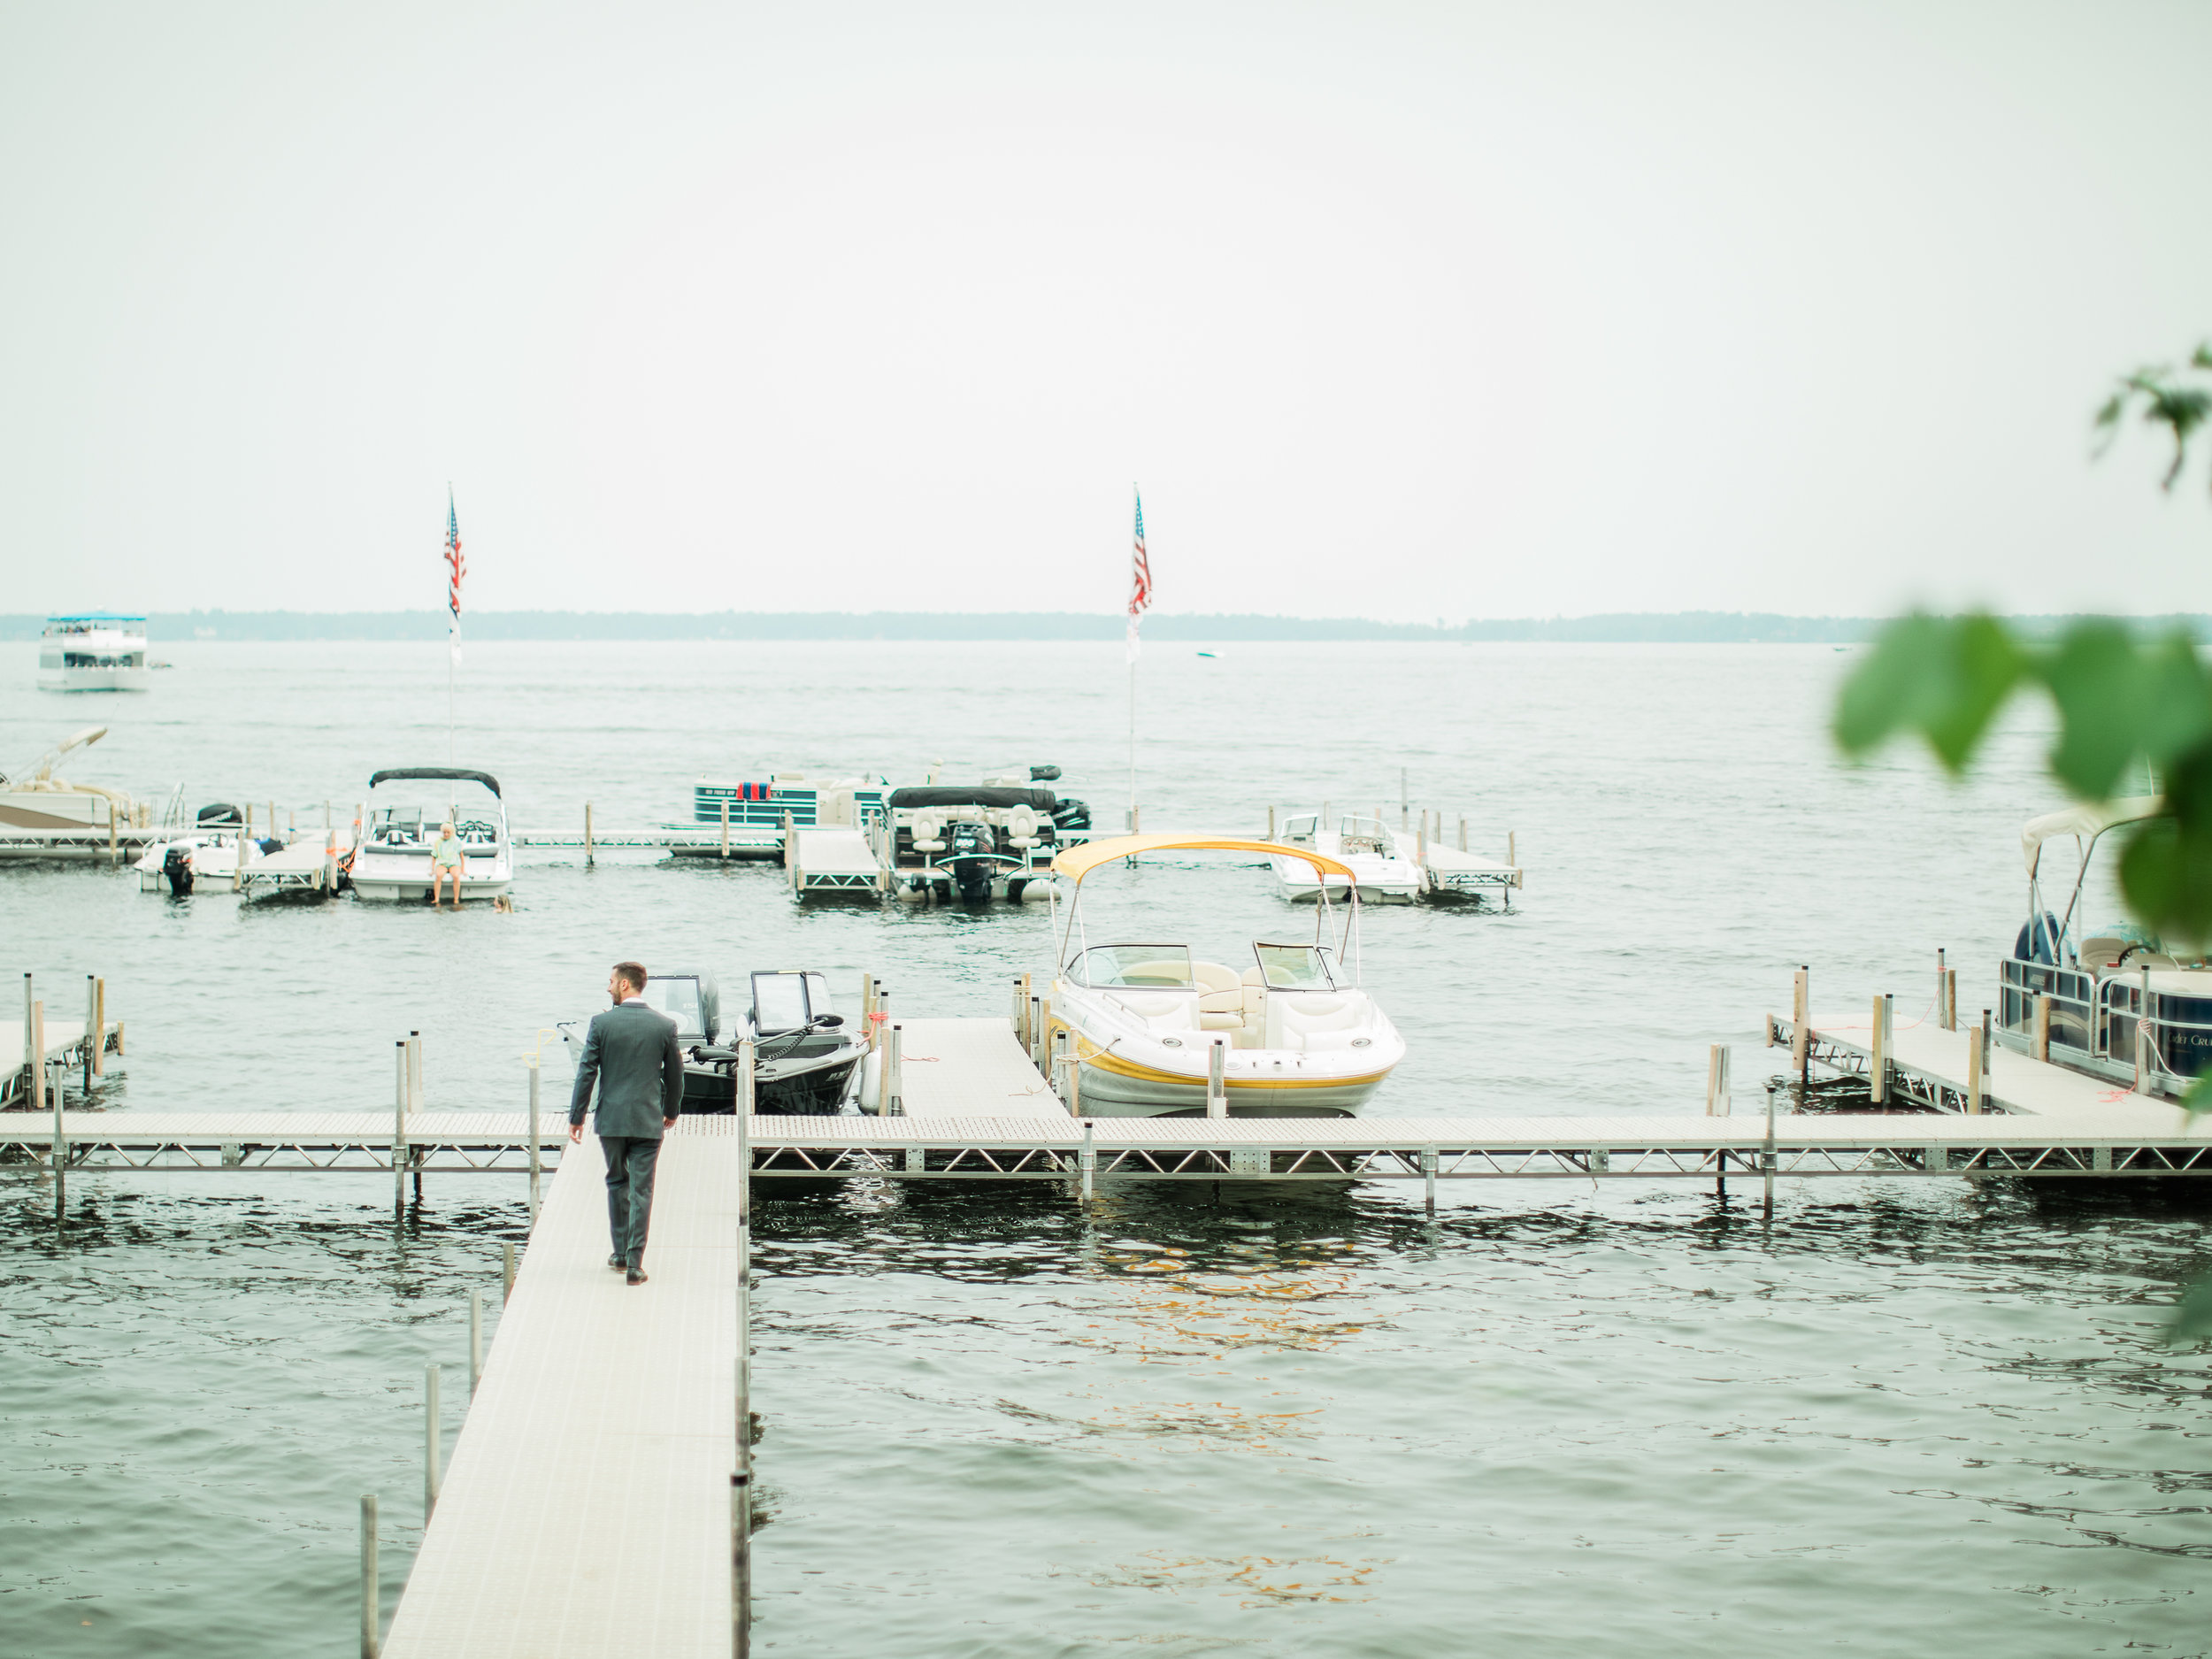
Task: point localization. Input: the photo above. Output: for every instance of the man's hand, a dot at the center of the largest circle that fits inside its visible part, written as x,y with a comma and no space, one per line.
576,1134
667,1124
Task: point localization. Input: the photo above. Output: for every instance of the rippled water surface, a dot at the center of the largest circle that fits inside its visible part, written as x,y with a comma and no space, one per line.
1897,1418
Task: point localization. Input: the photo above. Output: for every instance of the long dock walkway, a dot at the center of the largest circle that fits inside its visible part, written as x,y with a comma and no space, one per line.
587,1508
994,1145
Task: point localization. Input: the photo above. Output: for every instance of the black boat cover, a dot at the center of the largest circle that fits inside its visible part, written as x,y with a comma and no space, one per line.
967,794
484,777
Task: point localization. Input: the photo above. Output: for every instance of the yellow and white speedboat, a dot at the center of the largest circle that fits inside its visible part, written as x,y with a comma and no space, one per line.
1297,1036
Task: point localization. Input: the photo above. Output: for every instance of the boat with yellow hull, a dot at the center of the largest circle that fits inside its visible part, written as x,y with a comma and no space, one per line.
1154,1031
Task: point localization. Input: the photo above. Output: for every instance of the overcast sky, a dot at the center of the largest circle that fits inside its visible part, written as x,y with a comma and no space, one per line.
1395,310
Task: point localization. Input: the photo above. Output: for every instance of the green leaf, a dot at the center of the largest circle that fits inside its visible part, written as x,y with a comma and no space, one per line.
2100,686
2166,869
1944,678
2193,1316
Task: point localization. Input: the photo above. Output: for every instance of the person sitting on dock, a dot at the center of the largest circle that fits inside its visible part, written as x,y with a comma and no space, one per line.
639,1094
445,860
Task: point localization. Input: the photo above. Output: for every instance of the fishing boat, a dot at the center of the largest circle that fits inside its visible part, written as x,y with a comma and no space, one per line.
2122,1005
1290,1030
406,805
43,816
804,1059
99,650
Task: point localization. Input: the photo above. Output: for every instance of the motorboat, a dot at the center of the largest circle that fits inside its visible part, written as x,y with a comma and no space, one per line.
1390,866
43,816
1295,1034
97,651
2122,1006
977,841
406,807
1381,871
805,1062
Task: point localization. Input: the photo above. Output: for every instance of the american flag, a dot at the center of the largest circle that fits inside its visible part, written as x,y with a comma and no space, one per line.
1140,581
456,568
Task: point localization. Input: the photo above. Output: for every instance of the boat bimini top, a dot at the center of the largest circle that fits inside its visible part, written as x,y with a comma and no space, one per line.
460,773
2087,824
1078,860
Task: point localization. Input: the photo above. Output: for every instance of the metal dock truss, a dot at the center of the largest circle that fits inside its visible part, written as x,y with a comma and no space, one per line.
1426,1150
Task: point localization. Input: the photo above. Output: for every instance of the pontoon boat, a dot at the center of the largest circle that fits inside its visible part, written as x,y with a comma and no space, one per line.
2107,986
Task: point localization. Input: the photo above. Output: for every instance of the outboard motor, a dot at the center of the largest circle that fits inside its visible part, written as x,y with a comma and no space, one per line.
971,861
176,870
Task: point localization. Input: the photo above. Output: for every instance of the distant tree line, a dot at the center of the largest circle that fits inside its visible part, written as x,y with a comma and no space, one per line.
1685,627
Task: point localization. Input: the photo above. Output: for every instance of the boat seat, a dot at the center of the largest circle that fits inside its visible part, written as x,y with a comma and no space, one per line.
1159,1010
1313,1020
1021,827
1220,990
929,833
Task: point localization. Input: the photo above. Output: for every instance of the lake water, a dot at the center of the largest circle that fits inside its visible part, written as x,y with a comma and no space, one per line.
1556,1419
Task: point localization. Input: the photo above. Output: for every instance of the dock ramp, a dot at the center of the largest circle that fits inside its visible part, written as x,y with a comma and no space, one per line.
834,861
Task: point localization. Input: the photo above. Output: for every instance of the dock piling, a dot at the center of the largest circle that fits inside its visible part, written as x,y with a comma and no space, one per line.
430,1446
91,1044
2042,1048
245,834
1403,798
1428,1178
115,850
30,1054
1270,823
536,1161
43,1084
1766,1158
741,1477
476,1338
370,1597
1056,1073
1977,1065
1716,1091
588,853
1217,1087
894,1078
1463,832
506,1272
1087,1162
725,826
99,1027
2143,1066
1801,1032
1877,1063
749,1090
399,1127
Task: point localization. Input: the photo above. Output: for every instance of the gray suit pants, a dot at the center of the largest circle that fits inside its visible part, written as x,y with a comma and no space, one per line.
630,1161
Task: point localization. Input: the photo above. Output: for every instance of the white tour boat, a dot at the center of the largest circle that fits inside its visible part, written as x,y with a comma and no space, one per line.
99,651
1294,1034
406,805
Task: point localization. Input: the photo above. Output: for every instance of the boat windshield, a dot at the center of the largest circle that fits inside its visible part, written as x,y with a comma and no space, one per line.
395,823
1362,835
1298,832
788,1001
678,997
1294,967
1151,967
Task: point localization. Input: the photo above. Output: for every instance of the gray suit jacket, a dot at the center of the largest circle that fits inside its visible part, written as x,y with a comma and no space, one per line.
631,1052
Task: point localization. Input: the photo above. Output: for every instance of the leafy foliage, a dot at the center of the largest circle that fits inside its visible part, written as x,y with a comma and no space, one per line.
2122,702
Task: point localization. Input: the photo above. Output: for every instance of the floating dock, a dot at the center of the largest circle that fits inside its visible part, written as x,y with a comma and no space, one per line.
1934,1067
586,1507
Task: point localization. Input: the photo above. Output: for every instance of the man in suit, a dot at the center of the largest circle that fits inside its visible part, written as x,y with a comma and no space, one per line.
631,1053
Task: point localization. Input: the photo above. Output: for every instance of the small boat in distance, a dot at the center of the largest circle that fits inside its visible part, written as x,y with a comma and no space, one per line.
1383,873
98,650
406,805
1293,1033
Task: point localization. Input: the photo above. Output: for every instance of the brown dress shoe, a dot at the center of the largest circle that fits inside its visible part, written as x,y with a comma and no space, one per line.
636,1276
616,1262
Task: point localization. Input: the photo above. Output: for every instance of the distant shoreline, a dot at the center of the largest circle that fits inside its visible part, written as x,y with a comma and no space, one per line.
1686,627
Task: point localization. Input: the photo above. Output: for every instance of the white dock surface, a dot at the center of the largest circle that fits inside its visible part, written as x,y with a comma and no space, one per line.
971,1068
834,852
62,1035
587,1509
2015,1082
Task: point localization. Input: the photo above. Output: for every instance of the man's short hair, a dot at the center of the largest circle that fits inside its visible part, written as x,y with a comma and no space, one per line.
633,972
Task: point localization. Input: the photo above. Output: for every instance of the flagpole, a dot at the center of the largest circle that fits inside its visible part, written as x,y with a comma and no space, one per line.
1133,746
